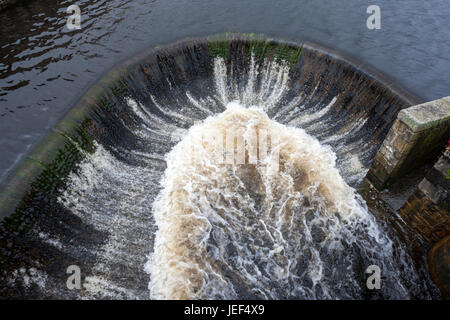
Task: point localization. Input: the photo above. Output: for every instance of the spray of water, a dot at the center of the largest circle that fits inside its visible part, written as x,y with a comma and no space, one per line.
282,223
255,229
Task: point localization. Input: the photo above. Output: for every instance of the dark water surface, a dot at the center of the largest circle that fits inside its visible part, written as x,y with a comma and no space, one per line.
44,67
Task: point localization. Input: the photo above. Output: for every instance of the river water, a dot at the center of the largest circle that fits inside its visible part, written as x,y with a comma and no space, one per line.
44,66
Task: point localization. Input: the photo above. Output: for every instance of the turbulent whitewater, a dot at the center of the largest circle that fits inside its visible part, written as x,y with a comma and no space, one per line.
282,225
234,185
248,230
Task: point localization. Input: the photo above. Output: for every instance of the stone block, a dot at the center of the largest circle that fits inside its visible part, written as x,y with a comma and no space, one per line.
427,209
416,136
436,193
427,115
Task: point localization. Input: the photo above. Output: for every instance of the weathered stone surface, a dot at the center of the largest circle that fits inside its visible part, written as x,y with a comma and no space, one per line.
426,218
427,115
439,265
416,136
427,210
436,194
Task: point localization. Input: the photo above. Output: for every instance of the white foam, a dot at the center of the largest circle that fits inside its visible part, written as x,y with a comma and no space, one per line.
205,207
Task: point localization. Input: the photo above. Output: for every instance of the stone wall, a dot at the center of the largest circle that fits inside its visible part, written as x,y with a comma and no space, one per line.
417,135
427,211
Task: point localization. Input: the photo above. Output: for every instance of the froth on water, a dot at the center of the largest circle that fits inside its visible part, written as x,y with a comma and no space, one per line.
281,223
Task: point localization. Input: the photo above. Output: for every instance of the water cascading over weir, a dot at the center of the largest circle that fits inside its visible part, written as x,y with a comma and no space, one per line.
126,189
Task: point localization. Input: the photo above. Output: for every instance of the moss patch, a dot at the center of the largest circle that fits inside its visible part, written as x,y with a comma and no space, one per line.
259,46
218,46
49,182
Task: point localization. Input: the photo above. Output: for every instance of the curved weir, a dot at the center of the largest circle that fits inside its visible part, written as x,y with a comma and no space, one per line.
149,200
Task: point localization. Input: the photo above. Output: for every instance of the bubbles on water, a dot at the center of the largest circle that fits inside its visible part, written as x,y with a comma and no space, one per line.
212,229
227,231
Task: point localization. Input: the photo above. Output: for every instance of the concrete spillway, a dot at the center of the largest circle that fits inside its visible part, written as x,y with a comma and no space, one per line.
113,192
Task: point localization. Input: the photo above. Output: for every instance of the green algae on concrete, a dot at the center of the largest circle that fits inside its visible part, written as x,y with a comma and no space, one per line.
218,46
260,47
